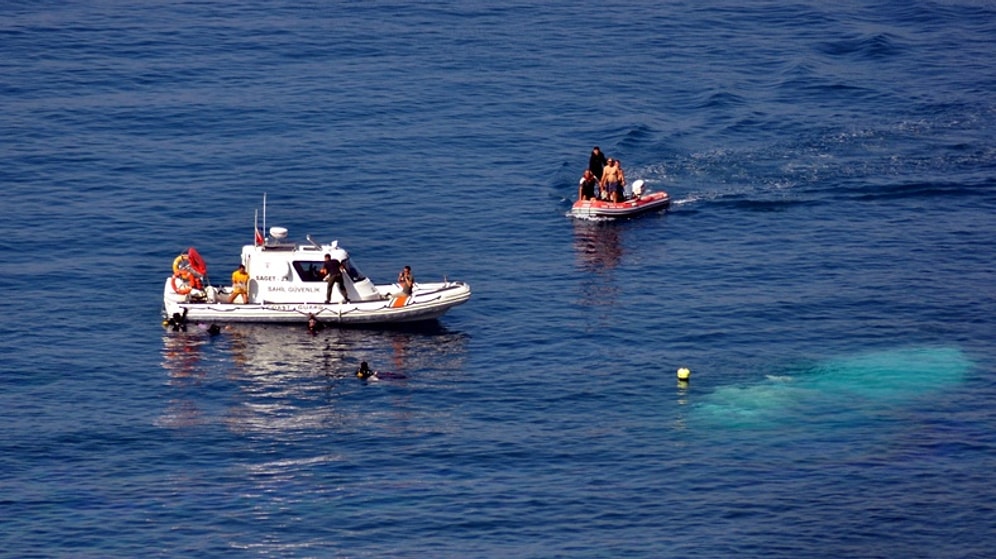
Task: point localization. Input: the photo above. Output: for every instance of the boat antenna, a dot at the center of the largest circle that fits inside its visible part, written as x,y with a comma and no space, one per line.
264,211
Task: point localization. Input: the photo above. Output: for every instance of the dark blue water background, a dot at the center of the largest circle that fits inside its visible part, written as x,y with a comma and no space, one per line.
826,272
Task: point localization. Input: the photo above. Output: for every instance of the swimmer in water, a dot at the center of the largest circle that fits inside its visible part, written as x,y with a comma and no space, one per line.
314,325
365,373
178,321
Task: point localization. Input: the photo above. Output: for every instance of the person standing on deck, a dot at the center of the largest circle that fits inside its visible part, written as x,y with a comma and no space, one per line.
596,162
611,181
620,193
332,273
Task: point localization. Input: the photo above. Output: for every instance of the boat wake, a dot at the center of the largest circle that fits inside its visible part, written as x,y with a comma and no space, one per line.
593,218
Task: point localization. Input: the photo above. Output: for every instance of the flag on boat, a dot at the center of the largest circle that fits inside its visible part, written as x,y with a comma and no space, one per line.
259,237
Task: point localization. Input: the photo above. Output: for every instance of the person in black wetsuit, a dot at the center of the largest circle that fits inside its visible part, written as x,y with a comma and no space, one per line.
314,325
178,322
364,371
596,162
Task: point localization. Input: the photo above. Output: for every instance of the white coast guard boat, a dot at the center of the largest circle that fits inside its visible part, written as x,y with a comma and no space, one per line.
636,204
285,285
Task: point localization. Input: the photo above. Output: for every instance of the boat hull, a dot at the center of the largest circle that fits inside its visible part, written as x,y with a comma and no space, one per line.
428,302
280,281
626,208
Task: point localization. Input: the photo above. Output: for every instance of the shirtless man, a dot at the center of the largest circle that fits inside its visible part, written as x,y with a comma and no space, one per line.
405,280
620,190
613,181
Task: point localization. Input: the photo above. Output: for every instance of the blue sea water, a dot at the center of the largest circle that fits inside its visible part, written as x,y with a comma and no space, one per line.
826,272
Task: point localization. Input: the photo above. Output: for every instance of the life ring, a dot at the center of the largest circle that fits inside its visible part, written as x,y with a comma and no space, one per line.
188,280
178,263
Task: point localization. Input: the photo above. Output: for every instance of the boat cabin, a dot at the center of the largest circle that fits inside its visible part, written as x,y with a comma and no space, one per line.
288,272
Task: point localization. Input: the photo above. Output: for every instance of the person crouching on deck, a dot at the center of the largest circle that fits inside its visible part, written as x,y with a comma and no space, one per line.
240,284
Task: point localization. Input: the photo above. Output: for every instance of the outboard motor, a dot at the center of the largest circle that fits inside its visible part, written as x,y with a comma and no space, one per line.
638,188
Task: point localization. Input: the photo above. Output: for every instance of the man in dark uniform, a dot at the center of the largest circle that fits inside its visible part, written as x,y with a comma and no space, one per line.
596,162
332,272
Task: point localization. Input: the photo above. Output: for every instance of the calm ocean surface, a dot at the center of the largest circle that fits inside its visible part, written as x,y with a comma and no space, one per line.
826,272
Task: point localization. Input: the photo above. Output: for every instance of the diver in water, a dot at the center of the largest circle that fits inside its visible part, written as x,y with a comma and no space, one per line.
178,322
365,373
314,325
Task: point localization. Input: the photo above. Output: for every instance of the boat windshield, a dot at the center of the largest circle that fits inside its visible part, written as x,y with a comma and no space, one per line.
311,270
354,274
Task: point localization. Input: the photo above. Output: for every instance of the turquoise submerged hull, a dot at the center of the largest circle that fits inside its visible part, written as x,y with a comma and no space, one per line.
839,389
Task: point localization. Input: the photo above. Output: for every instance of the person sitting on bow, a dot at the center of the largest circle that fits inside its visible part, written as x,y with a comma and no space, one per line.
586,186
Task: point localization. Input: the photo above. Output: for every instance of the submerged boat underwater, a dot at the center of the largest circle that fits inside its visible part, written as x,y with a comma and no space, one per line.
285,285
640,202
842,391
